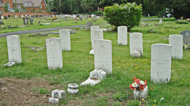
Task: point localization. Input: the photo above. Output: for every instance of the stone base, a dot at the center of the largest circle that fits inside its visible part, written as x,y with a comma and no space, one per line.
91,82
53,100
91,52
136,54
141,94
60,94
9,64
98,74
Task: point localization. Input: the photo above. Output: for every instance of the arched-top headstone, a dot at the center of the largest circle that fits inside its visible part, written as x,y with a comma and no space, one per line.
186,36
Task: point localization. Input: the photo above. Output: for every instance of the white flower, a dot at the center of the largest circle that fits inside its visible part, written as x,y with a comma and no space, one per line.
142,82
135,85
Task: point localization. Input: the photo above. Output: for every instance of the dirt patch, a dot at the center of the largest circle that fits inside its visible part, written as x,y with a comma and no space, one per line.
19,92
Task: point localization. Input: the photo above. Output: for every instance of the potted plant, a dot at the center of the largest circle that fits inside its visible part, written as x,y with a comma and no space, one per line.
140,89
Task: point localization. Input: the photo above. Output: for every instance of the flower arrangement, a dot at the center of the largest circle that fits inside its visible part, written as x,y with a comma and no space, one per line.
138,84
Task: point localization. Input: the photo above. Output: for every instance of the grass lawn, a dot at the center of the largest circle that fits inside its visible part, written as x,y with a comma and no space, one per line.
114,90
19,21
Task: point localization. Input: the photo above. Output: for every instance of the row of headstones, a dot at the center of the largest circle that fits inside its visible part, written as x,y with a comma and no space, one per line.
54,46
160,53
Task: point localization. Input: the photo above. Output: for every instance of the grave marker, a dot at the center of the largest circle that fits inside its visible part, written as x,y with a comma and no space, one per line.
136,44
122,35
186,36
103,55
176,41
54,53
64,34
160,63
14,49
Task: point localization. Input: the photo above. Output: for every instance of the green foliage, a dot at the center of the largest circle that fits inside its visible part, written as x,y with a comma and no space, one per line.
182,22
125,14
98,13
134,103
6,7
43,91
120,97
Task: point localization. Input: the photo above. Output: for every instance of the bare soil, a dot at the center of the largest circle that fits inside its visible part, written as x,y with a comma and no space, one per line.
24,92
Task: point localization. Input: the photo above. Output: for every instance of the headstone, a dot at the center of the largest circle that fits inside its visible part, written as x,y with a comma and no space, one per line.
186,36
136,44
64,34
103,55
2,17
122,35
95,36
22,16
15,16
24,22
31,20
5,17
14,49
160,21
176,41
88,25
161,63
54,53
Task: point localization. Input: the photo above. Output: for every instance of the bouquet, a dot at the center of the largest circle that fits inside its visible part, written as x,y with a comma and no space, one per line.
138,84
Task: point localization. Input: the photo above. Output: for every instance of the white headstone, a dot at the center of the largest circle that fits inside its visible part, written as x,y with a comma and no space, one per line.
161,63
15,16
2,17
14,49
64,34
176,41
22,16
160,21
54,53
136,44
122,35
96,35
103,55
61,94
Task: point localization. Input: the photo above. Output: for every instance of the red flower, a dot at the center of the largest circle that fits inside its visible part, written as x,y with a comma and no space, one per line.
137,81
131,87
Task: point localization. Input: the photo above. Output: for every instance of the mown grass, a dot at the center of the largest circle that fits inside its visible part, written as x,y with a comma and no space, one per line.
114,90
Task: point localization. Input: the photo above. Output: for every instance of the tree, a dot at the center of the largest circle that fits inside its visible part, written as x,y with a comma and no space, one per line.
124,15
6,7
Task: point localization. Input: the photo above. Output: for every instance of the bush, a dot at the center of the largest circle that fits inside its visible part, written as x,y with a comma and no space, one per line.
124,15
182,22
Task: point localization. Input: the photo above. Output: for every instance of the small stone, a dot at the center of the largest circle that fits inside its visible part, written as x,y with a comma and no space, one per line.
53,100
162,99
73,88
9,64
60,94
98,74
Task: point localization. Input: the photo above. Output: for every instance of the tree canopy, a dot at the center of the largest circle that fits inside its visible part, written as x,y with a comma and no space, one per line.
179,8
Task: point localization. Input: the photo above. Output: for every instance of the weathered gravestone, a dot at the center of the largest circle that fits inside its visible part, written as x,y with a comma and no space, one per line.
176,41
186,36
103,55
97,35
1,22
161,63
136,44
88,25
160,21
64,34
122,35
54,53
93,28
14,49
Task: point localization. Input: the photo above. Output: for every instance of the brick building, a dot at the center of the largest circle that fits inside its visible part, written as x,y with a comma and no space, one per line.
29,5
